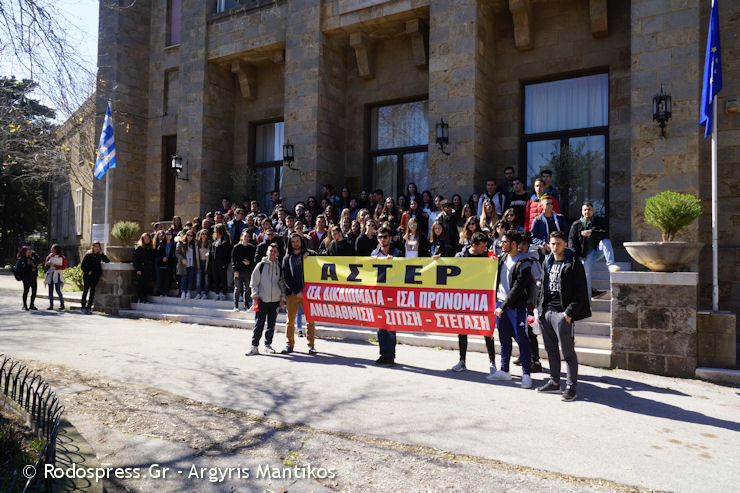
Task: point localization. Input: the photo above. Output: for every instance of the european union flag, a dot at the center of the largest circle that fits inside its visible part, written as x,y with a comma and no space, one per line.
107,147
712,71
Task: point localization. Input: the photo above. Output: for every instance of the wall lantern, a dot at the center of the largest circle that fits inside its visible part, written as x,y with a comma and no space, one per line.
443,136
289,156
662,109
177,165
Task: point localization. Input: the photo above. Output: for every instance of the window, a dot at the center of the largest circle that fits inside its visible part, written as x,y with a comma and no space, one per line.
566,124
268,159
224,5
79,201
65,214
399,139
174,16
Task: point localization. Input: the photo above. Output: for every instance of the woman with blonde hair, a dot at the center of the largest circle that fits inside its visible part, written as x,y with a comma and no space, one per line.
415,243
187,263
488,217
55,264
92,270
203,245
144,266
471,227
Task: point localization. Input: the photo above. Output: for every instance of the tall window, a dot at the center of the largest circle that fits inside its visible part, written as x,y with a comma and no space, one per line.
566,130
79,202
174,16
268,159
399,138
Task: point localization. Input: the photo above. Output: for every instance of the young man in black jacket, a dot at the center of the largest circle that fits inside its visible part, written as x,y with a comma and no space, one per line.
563,299
512,295
242,259
293,278
478,248
588,239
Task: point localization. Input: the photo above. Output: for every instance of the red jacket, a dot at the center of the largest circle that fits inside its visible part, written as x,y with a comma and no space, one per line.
315,241
534,209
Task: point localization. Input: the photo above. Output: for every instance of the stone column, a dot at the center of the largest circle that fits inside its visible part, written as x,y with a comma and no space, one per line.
123,59
458,88
654,322
314,102
665,48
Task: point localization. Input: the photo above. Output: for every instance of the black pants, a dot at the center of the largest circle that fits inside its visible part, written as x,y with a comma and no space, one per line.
88,286
219,279
144,288
267,311
533,344
29,282
241,286
462,340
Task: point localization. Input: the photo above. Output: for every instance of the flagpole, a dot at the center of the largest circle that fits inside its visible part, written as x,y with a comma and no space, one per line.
107,193
715,259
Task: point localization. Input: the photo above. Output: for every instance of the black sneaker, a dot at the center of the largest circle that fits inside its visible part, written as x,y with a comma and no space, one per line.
25,308
570,394
536,367
287,350
312,350
32,307
51,307
550,387
517,362
381,360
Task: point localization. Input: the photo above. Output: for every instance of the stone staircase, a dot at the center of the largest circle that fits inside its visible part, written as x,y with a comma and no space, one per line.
593,343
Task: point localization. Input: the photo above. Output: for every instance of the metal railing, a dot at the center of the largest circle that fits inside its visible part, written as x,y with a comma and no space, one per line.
43,409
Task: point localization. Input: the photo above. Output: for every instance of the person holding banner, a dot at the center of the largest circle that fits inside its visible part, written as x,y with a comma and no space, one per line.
478,248
562,300
512,296
293,279
386,338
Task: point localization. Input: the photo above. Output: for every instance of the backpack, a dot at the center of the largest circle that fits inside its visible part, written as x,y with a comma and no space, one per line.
18,270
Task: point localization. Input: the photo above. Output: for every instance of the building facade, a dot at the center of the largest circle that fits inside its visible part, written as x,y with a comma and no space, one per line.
357,87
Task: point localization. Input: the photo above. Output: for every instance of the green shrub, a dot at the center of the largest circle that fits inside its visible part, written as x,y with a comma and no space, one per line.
671,212
73,276
125,232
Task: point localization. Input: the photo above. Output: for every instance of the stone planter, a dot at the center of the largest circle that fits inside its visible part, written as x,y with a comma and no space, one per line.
120,253
663,256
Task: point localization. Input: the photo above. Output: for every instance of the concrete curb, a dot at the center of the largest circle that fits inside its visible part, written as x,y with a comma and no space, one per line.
719,375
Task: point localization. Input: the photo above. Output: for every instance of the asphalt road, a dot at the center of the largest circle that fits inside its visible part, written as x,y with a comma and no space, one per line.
631,428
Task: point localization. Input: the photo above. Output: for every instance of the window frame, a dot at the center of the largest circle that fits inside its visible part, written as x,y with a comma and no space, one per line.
564,136
399,152
252,152
79,208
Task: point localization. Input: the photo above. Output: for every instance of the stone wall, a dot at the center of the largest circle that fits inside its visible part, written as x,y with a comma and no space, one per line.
716,339
123,49
653,317
117,288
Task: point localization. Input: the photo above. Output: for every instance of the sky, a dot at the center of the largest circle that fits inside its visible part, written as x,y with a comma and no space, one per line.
81,17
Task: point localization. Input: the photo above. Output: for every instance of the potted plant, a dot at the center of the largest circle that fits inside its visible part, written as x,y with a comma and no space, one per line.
126,232
671,212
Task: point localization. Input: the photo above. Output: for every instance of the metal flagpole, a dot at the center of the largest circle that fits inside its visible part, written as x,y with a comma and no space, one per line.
715,261
107,191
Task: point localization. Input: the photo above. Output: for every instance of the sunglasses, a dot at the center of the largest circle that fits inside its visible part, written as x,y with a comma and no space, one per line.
510,215
382,237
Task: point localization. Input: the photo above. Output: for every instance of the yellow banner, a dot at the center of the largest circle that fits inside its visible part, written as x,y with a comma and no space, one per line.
443,273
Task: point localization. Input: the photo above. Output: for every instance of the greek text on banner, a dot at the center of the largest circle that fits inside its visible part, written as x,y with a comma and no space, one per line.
451,295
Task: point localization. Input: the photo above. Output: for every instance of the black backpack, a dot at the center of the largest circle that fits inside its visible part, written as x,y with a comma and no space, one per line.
18,270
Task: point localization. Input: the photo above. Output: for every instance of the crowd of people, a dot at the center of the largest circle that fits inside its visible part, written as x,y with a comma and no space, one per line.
257,251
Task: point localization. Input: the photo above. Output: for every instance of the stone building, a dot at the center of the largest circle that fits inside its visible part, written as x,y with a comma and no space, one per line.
357,87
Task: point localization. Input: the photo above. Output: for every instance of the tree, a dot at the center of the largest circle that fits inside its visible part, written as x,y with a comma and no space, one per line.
27,142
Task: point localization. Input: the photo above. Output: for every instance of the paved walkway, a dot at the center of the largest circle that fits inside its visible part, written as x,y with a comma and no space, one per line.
632,428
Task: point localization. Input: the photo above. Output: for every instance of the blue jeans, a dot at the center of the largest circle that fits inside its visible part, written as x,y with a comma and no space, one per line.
513,323
387,343
266,311
202,283
58,286
299,317
187,281
603,250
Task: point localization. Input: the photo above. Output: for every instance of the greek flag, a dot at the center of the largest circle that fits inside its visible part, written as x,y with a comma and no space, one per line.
712,71
107,147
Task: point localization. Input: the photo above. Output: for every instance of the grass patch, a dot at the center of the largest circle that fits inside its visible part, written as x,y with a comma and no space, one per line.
372,339
291,459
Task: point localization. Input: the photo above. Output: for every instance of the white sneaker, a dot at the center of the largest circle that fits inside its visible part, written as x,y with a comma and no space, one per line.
269,350
614,268
182,295
499,375
253,351
526,382
236,309
460,366
491,373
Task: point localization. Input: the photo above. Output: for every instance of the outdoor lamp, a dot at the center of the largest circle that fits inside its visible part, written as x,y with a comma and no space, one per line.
177,166
443,136
662,109
288,156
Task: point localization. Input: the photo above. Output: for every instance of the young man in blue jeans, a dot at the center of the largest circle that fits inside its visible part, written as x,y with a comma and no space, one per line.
512,295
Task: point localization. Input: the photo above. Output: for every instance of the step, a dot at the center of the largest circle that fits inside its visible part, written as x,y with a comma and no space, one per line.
585,327
601,266
599,317
592,349
601,305
602,284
